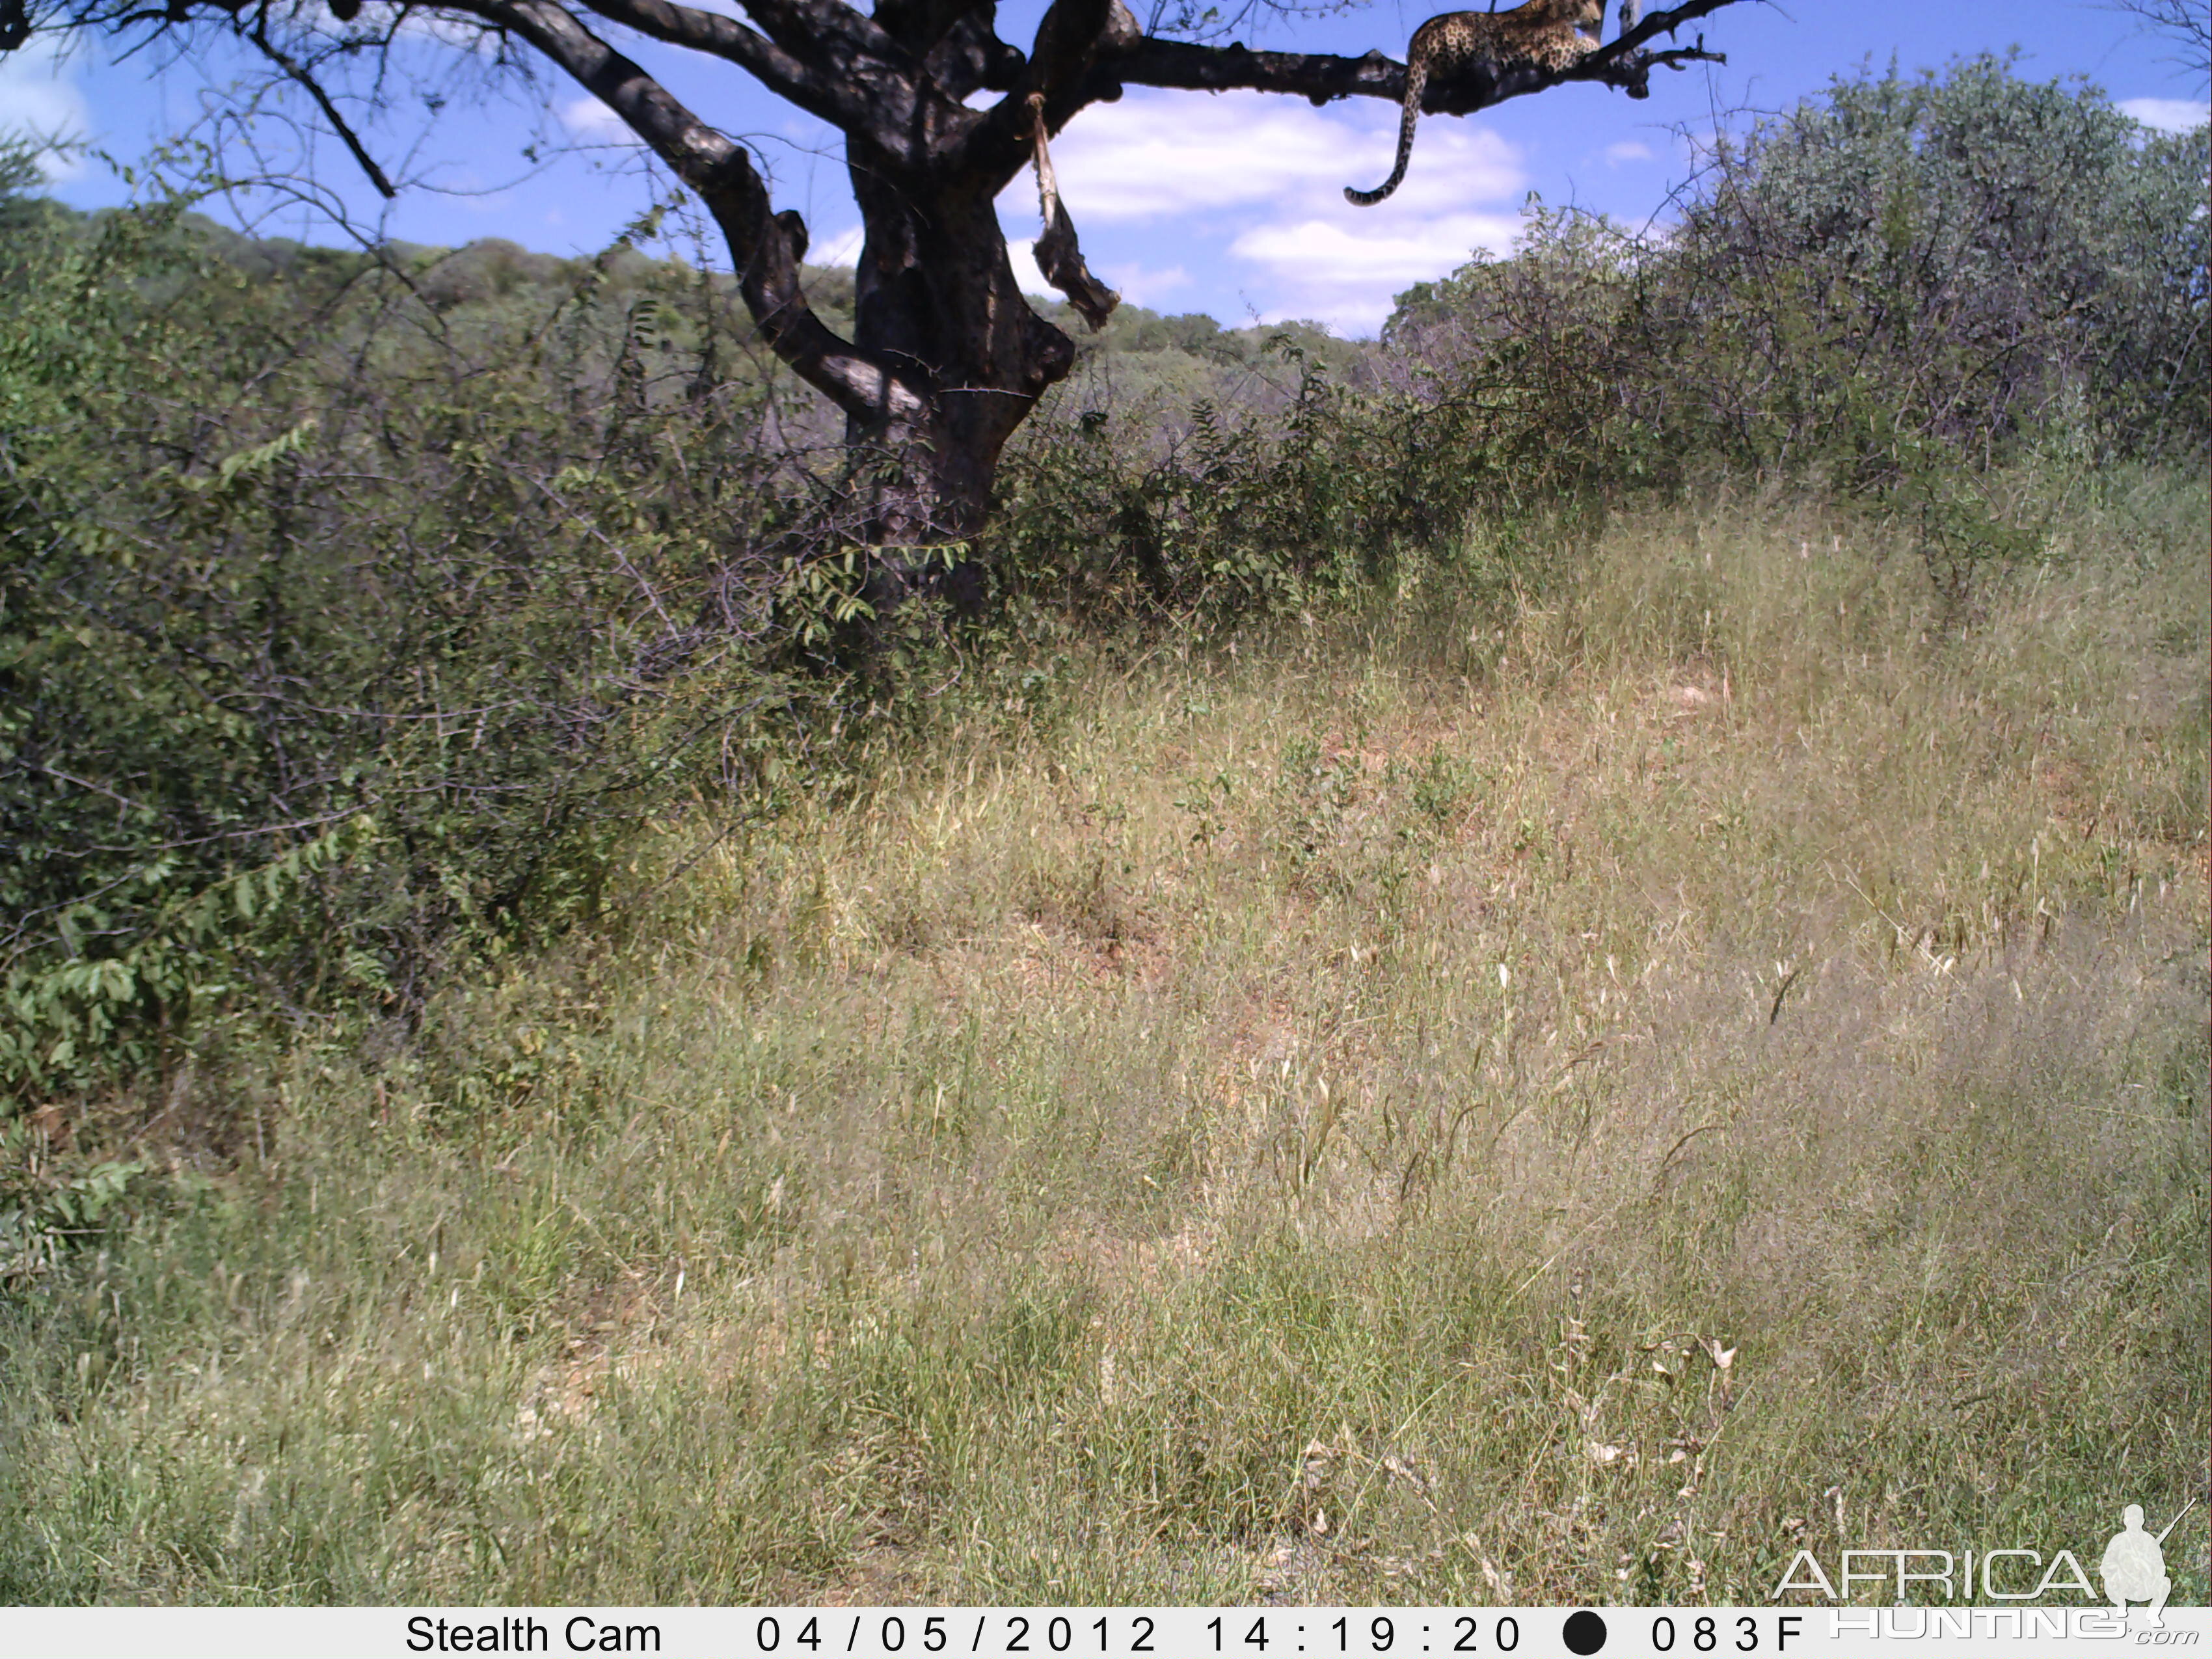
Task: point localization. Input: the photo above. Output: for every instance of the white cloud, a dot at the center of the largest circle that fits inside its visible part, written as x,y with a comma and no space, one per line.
457,32
1134,282
1027,276
1151,157
2167,114
1628,149
40,98
1331,273
1142,285
1267,177
1162,154
1403,257
587,117
840,248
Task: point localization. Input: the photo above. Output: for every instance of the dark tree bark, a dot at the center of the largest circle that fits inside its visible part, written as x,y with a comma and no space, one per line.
946,358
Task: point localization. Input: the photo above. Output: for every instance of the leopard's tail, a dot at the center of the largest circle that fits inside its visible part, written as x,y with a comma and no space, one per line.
1416,82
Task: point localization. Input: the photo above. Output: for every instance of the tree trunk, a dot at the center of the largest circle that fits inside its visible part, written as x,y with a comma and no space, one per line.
948,358
936,299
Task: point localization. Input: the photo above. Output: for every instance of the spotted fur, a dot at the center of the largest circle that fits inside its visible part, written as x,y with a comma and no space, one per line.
1545,35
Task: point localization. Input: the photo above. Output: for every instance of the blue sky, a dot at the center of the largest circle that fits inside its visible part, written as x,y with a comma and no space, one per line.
1231,205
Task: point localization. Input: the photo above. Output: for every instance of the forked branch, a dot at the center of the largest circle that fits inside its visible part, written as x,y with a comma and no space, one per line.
297,72
765,246
779,70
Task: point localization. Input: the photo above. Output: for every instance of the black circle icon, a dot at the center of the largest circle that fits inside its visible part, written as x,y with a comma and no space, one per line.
1585,1632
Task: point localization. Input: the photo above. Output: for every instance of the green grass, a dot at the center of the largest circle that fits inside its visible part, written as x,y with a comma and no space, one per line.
1297,1123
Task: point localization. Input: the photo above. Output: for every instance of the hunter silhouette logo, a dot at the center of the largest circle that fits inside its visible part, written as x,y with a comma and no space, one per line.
2134,1567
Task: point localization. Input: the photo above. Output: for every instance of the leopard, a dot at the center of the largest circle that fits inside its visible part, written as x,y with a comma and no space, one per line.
1550,35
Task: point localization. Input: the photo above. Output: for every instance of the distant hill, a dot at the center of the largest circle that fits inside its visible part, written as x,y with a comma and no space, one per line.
1141,359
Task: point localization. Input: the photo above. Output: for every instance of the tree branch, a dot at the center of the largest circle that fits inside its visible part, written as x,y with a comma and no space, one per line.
1654,24
2184,21
921,25
291,66
766,246
1623,63
830,29
967,55
1178,64
827,59
782,73
1067,35
1155,63
1074,40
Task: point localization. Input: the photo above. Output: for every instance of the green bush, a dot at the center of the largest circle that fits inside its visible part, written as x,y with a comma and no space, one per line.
1970,262
1968,257
357,605
340,616
1902,284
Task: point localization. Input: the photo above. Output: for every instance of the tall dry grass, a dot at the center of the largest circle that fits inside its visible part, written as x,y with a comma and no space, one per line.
1570,1102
